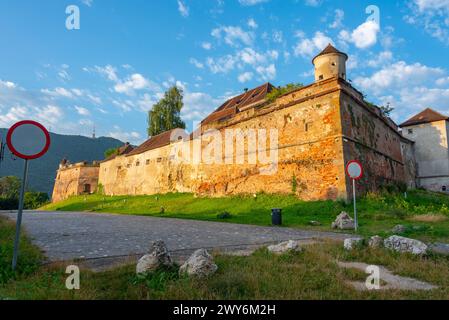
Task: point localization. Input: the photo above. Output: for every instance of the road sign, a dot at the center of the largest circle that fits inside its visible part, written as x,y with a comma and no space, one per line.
354,170
28,140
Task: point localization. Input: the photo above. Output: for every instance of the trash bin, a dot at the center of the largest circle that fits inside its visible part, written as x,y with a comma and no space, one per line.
276,217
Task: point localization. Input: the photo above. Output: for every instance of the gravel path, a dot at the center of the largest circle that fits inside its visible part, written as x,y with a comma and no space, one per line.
77,235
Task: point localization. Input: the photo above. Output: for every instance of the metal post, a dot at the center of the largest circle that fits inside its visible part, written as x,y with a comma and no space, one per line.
356,222
19,216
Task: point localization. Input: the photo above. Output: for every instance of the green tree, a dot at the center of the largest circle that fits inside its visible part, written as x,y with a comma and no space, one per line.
10,187
166,114
387,109
34,200
110,152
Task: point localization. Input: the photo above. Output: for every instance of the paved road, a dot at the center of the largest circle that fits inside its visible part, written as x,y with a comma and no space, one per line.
77,235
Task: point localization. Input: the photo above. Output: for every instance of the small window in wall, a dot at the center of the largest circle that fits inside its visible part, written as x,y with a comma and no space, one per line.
410,131
333,63
137,163
159,159
444,188
321,77
148,162
119,167
128,165
86,188
307,126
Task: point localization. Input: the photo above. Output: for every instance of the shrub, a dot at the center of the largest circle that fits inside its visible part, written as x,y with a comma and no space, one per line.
9,203
224,215
34,200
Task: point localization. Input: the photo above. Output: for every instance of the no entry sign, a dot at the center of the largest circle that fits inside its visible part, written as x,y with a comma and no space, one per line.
354,170
27,140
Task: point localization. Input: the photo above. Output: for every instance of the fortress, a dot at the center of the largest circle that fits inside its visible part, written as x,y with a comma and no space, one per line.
317,128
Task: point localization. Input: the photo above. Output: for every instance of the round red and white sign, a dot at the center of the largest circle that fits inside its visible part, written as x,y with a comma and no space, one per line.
28,140
354,170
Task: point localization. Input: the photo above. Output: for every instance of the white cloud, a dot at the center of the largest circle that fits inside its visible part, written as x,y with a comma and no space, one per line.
183,9
251,2
381,59
222,64
363,37
397,75
206,45
135,82
245,77
233,36
132,136
338,20
252,24
196,63
310,47
8,84
267,73
82,111
88,2
58,92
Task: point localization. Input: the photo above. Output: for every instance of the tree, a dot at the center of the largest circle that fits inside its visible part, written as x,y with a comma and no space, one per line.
10,187
387,109
110,152
166,114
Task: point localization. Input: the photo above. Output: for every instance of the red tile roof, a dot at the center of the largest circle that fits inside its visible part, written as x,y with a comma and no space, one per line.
241,102
125,149
161,140
426,116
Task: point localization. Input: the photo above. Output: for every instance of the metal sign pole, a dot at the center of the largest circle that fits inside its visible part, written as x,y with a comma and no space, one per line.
19,216
356,222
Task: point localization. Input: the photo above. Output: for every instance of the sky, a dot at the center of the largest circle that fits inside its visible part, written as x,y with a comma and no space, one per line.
109,72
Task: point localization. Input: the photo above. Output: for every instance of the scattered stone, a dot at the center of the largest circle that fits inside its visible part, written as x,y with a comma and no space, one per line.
315,223
402,244
157,257
287,246
392,281
439,248
343,222
352,243
376,242
399,229
200,264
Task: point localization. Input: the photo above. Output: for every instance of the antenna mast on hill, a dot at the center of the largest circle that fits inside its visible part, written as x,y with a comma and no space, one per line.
93,133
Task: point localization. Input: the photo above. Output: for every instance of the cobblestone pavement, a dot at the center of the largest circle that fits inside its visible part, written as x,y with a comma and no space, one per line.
77,235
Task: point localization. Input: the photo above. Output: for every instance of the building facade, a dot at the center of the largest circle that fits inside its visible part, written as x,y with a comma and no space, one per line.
429,130
298,143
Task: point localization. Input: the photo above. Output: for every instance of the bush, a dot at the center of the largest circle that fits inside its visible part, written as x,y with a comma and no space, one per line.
34,200
8,203
224,215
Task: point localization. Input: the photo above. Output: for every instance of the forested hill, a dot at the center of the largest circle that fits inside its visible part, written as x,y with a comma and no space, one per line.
42,172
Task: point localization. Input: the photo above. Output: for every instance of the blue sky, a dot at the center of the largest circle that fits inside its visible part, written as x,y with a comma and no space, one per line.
111,71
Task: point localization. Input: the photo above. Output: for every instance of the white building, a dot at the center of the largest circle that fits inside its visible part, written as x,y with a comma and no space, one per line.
429,129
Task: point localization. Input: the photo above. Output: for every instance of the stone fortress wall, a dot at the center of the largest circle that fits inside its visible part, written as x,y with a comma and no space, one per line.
320,127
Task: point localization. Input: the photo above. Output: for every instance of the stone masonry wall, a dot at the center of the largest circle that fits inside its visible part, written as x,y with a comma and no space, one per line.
73,180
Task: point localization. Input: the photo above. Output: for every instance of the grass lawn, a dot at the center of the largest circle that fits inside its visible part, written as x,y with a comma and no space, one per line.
425,214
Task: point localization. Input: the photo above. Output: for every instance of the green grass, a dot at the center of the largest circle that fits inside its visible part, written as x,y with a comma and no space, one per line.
378,214
30,257
311,274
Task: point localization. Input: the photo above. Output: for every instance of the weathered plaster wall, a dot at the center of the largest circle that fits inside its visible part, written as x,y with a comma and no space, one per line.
72,180
432,154
310,155
374,141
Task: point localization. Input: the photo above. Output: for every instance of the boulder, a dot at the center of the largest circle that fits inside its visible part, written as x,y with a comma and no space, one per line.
439,248
343,222
158,256
352,243
399,229
200,264
402,244
376,242
285,247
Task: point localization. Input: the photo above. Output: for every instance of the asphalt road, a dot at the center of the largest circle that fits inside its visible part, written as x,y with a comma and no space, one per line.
77,235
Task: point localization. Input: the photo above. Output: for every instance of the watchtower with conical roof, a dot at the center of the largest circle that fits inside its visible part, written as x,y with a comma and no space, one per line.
330,63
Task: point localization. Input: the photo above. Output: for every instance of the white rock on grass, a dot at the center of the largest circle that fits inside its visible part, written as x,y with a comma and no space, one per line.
283,247
343,222
352,243
158,256
376,242
200,264
403,245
